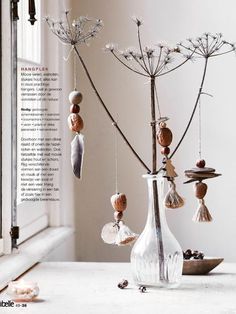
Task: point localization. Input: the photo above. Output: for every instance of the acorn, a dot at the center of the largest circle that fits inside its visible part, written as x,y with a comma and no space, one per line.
118,215
75,97
201,163
165,151
74,108
200,190
75,122
119,202
164,136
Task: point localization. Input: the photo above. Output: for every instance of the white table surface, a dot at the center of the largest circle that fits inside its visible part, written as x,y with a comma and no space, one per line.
91,288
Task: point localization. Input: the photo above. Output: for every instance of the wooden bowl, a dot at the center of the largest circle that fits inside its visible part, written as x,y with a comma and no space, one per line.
200,266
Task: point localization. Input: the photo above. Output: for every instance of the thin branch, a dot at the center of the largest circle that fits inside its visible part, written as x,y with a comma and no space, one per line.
141,51
114,123
222,53
158,61
187,59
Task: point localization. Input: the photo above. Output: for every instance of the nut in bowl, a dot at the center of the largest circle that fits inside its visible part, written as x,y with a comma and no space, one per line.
196,264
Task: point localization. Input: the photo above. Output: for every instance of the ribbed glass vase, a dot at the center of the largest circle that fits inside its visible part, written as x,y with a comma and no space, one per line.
156,258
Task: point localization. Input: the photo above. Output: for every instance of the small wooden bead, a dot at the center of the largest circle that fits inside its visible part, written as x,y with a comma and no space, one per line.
118,215
165,151
74,108
119,202
75,97
75,122
201,163
164,137
200,190
162,125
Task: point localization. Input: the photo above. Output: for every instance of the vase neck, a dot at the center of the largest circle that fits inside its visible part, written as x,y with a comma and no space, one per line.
156,211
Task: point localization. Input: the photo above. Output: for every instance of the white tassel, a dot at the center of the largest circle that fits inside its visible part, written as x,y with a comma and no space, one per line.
125,236
173,199
202,214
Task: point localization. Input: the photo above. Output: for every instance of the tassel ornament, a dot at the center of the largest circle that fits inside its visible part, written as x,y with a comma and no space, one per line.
173,199
202,214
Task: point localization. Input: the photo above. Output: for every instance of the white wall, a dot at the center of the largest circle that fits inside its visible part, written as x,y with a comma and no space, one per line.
127,97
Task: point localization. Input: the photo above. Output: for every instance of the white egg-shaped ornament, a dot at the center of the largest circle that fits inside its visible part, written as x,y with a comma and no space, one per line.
75,97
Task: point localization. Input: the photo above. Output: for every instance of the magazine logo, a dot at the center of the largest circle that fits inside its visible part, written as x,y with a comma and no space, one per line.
8,303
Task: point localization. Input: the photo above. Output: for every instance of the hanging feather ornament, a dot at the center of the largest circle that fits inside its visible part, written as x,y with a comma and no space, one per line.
197,175
164,137
76,124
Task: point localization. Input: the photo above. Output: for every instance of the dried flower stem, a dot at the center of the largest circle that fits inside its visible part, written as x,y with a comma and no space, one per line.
114,123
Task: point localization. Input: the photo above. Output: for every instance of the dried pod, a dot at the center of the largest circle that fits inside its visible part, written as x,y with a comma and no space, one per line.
75,97
164,137
201,163
200,190
123,284
74,108
173,199
118,216
75,122
119,202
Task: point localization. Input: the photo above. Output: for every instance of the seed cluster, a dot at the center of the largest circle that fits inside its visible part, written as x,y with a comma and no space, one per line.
190,254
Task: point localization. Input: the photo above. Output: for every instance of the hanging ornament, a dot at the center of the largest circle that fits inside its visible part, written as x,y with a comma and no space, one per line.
117,232
76,124
164,138
77,152
199,174
173,199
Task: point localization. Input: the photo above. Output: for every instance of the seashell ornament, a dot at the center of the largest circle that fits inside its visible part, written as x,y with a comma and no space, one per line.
109,232
125,236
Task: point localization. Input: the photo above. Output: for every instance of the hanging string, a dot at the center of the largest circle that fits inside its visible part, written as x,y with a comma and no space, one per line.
74,69
199,129
116,158
157,101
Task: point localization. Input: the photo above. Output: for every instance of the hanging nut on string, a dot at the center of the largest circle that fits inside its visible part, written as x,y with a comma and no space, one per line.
119,202
164,135
75,122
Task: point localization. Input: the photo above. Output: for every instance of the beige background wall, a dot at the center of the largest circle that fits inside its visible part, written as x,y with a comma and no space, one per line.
128,98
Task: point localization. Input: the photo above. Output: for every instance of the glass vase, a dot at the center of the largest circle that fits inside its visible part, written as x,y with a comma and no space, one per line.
156,258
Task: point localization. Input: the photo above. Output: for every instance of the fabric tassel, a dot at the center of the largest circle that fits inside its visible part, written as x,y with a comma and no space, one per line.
77,152
125,236
173,199
202,214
